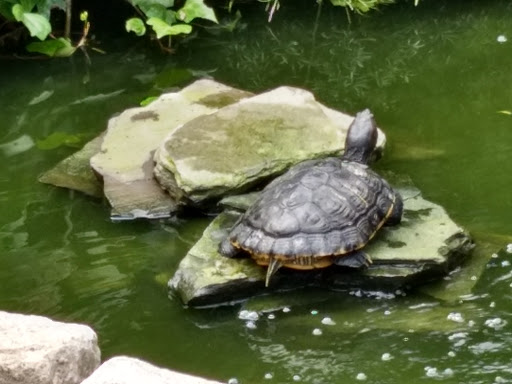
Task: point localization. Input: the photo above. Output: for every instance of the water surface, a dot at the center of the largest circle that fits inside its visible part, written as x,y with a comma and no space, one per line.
435,77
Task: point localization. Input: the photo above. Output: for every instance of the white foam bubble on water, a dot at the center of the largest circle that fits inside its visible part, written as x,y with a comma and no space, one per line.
248,315
317,332
386,357
456,317
501,39
361,376
250,324
495,323
328,321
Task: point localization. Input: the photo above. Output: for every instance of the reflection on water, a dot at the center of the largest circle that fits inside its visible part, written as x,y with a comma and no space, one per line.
435,76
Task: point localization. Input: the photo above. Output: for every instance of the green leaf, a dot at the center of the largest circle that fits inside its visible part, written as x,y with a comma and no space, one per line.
194,9
28,5
59,139
165,3
135,25
6,10
148,100
60,47
37,25
18,12
162,29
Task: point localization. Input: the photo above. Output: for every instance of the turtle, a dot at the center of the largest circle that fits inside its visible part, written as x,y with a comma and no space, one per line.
320,212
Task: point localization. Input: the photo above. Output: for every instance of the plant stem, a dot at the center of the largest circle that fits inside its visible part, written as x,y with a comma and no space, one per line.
67,31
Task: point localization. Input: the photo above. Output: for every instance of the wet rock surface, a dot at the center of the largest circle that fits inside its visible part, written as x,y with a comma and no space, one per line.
125,161
426,245
243,144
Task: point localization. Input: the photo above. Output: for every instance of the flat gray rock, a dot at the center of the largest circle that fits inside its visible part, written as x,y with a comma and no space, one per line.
426,245
74,172
128,370
125,161
245,143
37,350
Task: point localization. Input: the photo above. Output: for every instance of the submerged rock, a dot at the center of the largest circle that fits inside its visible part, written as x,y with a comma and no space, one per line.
74,172
125,161
427,244
245,143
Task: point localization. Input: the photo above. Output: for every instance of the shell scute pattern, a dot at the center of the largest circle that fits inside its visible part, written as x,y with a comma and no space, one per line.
329,207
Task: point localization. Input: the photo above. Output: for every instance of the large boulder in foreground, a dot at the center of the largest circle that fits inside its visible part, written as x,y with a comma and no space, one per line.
243,144
37,350
128,370
125,161
427,244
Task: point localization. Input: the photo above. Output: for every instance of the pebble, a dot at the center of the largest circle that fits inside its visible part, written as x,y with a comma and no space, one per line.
268,376
328,321
386,357
317,332
361,376
248,315
501,39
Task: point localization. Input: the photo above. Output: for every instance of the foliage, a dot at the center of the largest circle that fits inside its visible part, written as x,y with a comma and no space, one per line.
35,16
167,21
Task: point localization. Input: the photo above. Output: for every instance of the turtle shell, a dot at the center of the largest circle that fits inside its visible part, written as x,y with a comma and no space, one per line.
318,210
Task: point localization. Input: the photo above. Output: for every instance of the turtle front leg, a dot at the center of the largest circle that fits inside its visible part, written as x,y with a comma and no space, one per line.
357,259
396,215
227,249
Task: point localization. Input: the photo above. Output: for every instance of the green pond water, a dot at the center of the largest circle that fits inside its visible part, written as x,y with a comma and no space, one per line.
435,76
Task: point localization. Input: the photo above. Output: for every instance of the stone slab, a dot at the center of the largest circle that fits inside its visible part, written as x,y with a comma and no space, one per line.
74,172
128,370
427,244
248,142
37,350
125,160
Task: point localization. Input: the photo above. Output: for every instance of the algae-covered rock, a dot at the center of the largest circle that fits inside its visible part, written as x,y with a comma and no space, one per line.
247,142
426,245
126,158
74,172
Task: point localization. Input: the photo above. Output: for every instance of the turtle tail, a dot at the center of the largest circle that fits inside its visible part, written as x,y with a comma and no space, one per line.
273,266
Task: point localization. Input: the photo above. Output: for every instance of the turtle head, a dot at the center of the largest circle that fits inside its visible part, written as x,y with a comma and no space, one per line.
361,138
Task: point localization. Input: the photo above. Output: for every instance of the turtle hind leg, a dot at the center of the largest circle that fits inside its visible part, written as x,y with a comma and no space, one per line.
227,249
357,259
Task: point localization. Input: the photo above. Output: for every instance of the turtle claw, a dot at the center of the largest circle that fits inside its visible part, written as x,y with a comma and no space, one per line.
357,259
